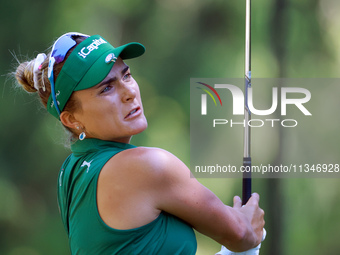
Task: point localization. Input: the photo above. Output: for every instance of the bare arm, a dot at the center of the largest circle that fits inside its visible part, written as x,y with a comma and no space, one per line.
144,181
238,228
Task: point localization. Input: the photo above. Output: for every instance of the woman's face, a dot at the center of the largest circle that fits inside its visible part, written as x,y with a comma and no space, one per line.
112,110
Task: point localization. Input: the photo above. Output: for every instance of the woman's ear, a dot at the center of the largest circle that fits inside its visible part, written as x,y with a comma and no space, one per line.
69,120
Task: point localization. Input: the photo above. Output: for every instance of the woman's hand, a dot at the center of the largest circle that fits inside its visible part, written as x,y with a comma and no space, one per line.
253,213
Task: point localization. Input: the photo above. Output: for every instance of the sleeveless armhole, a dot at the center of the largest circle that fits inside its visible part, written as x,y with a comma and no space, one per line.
102,222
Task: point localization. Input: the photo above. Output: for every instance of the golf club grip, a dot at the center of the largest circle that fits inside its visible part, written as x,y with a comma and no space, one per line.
246,181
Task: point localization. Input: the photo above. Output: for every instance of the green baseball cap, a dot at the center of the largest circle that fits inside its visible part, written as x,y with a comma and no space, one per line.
87,65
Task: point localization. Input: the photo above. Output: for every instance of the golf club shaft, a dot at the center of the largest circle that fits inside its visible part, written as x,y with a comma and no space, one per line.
246,189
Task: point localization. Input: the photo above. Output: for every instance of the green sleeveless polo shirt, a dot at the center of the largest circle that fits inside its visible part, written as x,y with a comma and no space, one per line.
87,232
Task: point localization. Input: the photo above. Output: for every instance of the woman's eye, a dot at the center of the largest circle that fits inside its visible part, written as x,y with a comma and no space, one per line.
127,76
107,88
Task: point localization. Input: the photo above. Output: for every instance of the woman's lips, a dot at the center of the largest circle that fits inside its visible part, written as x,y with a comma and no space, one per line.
133,113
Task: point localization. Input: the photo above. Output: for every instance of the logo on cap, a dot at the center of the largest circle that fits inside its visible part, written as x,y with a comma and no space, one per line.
85,51
110,58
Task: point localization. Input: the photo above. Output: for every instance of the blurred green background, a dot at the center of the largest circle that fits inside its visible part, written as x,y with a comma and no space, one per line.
184,39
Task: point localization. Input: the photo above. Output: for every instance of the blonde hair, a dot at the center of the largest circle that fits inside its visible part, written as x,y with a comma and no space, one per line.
25,77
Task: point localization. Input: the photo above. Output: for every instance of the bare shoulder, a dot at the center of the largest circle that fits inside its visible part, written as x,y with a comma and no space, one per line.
149,156
144,163
155,158
141,180
129,184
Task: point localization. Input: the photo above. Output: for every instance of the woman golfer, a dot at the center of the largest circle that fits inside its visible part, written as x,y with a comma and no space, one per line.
114,197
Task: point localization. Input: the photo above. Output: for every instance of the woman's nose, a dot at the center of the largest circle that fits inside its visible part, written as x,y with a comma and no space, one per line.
128,92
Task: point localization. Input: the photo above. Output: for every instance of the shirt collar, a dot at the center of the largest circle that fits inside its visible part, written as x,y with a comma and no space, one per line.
92,145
